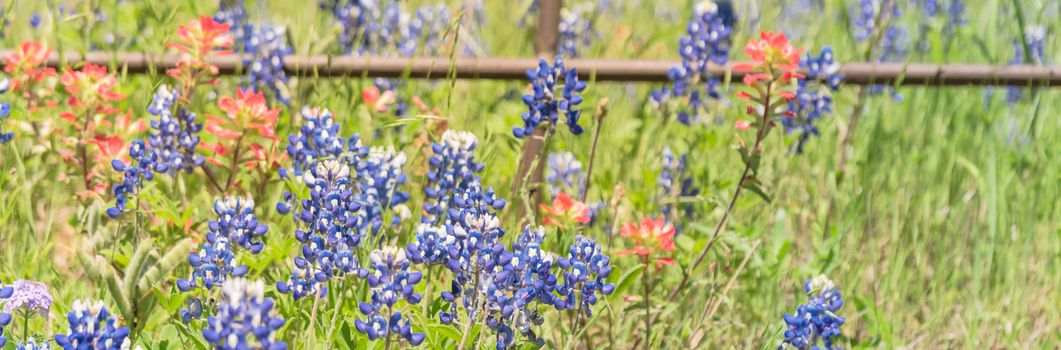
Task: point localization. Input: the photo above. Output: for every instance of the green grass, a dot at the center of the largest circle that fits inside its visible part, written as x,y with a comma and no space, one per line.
944,233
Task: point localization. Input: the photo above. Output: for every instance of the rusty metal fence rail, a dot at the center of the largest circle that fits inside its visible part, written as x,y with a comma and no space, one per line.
856,73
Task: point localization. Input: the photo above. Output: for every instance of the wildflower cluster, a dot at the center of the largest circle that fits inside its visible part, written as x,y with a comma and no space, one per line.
674,173
1036,39
586,270
91,326
565,212
141,168
576,29
25,67
816,321
390,281
247,122
174,138
196,40
546,104
453,169
813,95
28,296
707,42
264,47
379,187
333,228
236,228
564,173
649,237
891,38
368,28
317,138
244,318
955,13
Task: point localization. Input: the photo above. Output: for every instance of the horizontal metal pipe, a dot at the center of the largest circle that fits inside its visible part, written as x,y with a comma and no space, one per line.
600,69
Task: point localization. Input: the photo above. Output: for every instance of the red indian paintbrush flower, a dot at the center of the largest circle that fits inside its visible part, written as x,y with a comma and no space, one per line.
248,112
565,212
197,39
24,64
650,236
774,63
91,87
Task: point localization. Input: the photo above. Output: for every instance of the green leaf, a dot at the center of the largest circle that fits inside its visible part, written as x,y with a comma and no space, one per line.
628,279
754,187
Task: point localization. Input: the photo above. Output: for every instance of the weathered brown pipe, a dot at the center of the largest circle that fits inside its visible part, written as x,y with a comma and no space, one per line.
600,69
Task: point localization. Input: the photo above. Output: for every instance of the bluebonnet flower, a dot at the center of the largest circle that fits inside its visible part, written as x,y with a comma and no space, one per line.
474,224
390,281
425,30
515,283
576,29
28,296
452,169
245,318
1036,38
5,112
35,20
817,319
175,138
431,246
813,95
32,344
5,317
211,266
379,187
359,24
91,326
237,222
564,172
707,42
893,38
267,48
586,270
333,228
673,173
545,105
133,176
794,16
317,138
234,14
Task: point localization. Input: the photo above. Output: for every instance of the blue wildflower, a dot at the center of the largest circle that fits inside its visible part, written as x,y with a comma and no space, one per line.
91,326
317,138
237,222
674,173
33,344
5,317
379,188
453,169
545,104
174,138
893,41
817,319
390,281
35,20
133,176
333,228
245,318
431,245
266,49
1036,38
586,270
516,282
707,42
475,227
813,95
564,173
576,29
5,112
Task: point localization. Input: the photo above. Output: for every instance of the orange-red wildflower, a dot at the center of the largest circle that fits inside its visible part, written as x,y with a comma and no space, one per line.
565,212
651,236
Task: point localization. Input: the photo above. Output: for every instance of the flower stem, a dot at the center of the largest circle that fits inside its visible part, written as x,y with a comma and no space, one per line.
602,111
756,149
646,284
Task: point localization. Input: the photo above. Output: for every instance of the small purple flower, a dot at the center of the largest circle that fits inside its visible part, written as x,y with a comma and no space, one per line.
28,296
